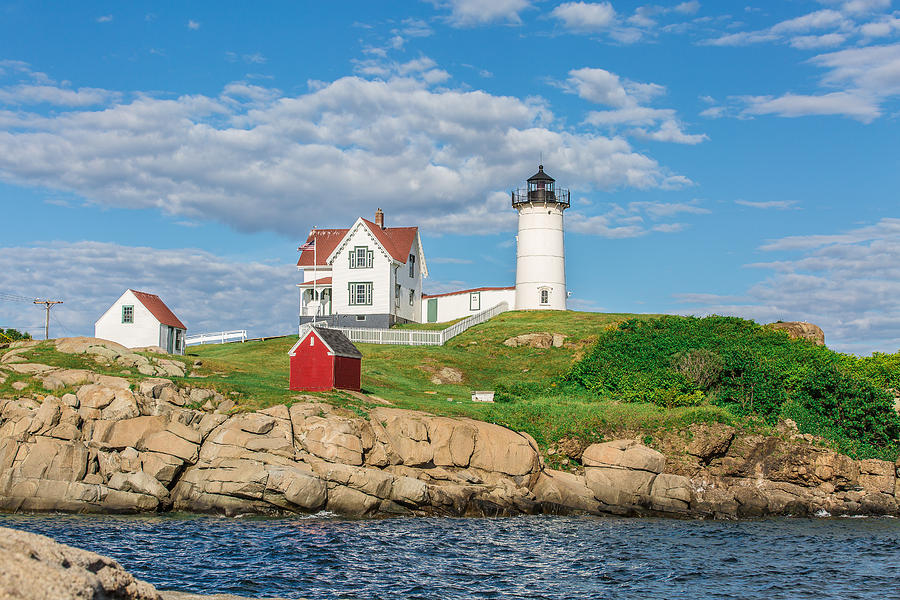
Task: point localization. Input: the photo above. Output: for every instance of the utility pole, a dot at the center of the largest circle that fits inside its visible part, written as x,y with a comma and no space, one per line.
48,304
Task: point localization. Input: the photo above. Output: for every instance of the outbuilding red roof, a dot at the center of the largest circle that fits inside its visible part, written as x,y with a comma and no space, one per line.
158,309
397,241
481,289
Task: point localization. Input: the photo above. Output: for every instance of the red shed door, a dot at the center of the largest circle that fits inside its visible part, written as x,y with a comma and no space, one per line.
346,373
311,366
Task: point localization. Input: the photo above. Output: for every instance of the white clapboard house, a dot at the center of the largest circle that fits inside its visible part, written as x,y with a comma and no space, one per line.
367,275
138,319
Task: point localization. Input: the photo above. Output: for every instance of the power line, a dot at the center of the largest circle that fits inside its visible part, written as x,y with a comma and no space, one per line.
4,296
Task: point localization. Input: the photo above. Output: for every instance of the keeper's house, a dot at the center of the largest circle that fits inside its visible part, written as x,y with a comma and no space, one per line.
366,276
138,319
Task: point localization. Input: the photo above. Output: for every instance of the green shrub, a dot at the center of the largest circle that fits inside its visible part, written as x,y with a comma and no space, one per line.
753,371
13,335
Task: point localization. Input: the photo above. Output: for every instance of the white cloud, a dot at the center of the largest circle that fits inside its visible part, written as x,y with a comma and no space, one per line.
808,42
820,19
848,284
874,69
24,94
105,19
601,17
469,13
207,292
258,160
776,204
440,260
585,16
193,24
741,38
603,87
670,131
847,104
630,221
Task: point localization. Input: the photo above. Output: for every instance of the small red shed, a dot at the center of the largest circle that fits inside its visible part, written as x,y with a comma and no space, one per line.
325,359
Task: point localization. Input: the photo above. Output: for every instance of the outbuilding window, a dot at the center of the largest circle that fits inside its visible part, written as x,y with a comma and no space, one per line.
412,266
128,314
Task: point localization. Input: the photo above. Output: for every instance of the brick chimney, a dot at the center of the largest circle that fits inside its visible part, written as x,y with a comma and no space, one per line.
379,218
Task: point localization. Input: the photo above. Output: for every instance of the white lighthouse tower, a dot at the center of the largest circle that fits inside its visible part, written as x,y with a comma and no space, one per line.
540,251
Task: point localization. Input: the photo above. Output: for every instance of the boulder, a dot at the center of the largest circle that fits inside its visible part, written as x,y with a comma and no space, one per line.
453,441
80,345
333,439
801,330
139,483
563,492
501,450
446,375
710,441
624,454
615,486
670,493
877,476
34,567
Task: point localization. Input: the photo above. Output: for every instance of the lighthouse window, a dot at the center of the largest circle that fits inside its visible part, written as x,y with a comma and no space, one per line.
475,301
545,296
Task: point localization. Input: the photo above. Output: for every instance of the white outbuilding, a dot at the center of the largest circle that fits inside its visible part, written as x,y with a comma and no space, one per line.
138,319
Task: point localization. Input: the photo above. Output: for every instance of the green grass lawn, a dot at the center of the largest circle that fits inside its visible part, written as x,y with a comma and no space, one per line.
255,374
402,376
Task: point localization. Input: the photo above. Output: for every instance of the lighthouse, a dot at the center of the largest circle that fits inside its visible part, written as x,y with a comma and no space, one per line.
540,250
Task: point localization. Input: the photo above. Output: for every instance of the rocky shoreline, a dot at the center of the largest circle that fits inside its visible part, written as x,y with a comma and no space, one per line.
113,446
35,567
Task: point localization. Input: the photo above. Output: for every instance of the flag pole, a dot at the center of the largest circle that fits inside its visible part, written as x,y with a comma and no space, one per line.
315,270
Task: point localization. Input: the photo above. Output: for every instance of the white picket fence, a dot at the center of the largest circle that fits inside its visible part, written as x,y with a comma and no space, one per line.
220,337
414,337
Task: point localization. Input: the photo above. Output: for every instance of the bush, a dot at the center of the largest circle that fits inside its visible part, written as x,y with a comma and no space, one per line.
753,371
13,335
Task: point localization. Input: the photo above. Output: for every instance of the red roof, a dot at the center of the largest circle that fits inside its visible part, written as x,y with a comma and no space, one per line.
326,241
397,241
319,281
481,289
158,309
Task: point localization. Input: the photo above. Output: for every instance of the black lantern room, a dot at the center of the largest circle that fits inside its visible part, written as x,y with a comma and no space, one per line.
541,188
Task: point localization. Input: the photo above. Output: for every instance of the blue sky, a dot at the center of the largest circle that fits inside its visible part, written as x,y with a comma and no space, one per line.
728,157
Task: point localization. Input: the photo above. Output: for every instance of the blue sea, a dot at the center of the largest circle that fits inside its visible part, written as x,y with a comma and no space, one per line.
550,557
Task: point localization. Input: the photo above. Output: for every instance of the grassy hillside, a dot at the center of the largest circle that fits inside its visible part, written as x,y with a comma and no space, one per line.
402,375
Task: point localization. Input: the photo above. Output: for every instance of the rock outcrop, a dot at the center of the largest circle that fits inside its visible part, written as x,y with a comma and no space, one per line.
801,330
114,446
34,567
536,340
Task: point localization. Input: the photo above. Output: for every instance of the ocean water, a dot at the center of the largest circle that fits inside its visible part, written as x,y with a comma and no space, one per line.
519,557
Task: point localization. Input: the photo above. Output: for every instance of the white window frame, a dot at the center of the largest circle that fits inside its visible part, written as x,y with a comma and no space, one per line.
544,292
412,266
